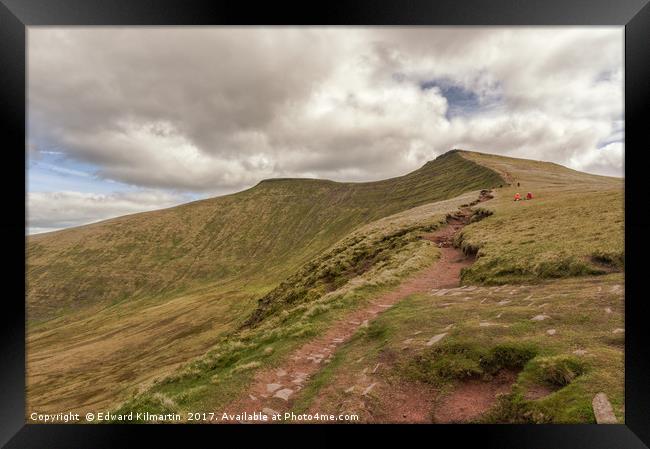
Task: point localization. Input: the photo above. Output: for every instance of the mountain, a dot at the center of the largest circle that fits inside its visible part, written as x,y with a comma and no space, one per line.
261,234
182,309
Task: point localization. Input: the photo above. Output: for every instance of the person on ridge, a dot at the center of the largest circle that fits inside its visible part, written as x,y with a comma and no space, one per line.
529,196
517,197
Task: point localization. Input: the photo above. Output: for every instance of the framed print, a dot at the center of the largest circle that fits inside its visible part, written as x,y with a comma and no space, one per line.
416,216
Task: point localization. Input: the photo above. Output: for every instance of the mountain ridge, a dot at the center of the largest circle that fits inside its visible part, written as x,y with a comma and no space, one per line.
311,255
226,237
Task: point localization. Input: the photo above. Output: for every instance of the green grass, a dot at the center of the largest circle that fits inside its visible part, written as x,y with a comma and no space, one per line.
183,306
576,310
213,380
91,359
460,360
263,234
572,227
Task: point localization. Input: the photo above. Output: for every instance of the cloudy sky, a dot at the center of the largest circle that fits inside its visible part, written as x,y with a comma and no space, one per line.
123,120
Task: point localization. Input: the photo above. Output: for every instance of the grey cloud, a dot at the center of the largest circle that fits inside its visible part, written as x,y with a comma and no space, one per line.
49,211
212,110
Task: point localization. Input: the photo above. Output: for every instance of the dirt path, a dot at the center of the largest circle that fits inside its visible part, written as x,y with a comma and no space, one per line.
273,390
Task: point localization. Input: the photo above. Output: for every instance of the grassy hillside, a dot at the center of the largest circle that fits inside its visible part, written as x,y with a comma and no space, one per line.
212,381
197,272
559,257
260,235
133,344
230,286
573,226
558,364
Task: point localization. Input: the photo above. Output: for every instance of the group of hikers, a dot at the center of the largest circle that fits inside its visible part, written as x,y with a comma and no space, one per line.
529,196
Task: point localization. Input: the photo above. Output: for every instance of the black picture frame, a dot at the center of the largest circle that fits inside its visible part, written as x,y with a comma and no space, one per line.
16,15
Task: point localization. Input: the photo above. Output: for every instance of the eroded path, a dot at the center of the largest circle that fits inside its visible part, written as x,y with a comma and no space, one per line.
272,391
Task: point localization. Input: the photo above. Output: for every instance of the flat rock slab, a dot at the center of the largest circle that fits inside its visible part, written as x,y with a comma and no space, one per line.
436,338
281,373
551,331
608,310
579,352
273,387
503,303
539,318
486,324
618,331
269,411
316,358
369,388
299,378
603,410
284,394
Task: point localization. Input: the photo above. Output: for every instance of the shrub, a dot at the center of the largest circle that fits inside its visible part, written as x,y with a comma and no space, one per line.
611,258
508,355
463,360
560,370
514,409
376,330
479,214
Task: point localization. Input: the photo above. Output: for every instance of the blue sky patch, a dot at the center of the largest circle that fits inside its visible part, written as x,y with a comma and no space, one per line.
461,101
52,171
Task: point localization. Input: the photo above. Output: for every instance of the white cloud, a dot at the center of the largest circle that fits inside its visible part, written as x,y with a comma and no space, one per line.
49,211
605,160
215,110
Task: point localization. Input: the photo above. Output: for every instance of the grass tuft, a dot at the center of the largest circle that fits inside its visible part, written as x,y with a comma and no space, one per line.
459,360
558,371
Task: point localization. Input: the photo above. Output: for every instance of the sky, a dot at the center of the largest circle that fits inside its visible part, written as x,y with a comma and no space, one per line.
129,119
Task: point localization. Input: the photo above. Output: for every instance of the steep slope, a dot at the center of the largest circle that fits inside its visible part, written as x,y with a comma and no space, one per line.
547,346
396,250
259,235
573,226
179,349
